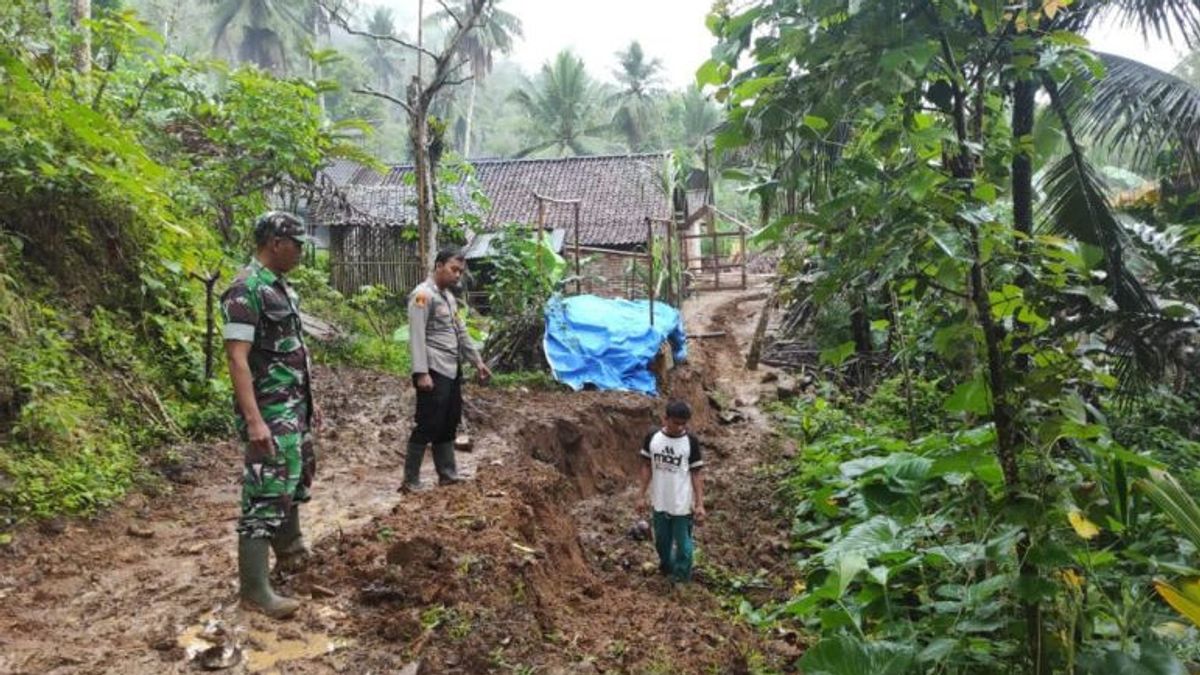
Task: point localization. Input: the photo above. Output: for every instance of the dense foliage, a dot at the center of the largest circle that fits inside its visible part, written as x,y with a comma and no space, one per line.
118,188
914,180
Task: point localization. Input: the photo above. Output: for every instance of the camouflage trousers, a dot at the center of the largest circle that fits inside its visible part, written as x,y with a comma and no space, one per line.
270,489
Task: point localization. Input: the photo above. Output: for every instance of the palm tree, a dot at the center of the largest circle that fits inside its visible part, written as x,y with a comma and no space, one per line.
699,115
496,32
267,29
640,79
563,105
380,58
1189,68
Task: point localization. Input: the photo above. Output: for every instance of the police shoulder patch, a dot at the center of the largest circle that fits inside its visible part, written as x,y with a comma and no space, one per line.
420,298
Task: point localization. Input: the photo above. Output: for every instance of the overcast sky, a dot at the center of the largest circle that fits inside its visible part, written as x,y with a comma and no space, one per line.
674,31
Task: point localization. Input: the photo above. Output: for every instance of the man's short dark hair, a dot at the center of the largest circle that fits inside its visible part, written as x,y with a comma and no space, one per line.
679,410
447,254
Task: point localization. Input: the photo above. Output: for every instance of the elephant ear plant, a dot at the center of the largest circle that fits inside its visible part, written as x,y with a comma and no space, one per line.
1178,505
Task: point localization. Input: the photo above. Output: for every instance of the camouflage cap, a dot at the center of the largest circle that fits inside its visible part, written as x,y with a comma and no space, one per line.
279,224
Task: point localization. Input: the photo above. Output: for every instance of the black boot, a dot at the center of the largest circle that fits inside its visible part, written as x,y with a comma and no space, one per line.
444,462
291,553
413,456
255,589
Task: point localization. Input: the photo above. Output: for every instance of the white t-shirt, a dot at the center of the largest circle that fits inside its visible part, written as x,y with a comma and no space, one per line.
672,460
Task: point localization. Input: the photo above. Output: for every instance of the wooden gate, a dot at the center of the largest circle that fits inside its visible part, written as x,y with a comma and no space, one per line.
712,260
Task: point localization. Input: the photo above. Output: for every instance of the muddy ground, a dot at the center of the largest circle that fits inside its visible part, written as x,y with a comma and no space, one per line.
528,567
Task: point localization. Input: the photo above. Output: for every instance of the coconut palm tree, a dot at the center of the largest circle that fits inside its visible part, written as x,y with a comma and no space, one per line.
496,33
640,80
699,116
381,57
563,103
267,29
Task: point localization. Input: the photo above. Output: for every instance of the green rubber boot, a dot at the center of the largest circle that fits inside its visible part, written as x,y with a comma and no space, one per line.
291,553
444,462
413,456
255,588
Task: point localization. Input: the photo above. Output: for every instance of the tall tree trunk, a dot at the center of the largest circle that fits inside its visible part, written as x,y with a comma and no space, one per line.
419,136
1024,91
470,116
1022,163
81,11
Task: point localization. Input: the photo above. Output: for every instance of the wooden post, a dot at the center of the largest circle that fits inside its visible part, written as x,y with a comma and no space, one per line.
760,332
716,259
685,261
745,256
669,258
541,218
578,272
650,263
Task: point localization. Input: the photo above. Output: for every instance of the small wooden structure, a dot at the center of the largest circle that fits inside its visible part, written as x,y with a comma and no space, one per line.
373,236
540,225
601,202
366,256
703,270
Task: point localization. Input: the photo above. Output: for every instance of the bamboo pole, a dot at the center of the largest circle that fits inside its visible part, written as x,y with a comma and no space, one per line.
650,263
745,256
541,218
669,258
578,272
716,259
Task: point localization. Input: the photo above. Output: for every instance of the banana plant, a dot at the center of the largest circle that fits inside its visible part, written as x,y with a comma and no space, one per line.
1166,492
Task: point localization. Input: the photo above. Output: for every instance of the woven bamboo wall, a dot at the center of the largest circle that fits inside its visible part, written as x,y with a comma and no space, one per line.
364,256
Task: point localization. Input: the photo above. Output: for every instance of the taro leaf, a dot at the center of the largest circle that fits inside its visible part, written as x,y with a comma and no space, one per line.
863,465
908,471
1154,659
845,655
869,538
849,567
937,650
980,462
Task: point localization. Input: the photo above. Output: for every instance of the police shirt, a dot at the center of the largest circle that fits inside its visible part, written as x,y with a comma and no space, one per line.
438,338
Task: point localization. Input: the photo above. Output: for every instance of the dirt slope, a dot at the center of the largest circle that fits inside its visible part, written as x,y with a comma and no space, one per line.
526,568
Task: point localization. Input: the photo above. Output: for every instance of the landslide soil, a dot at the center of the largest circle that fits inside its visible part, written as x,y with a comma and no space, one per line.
527,567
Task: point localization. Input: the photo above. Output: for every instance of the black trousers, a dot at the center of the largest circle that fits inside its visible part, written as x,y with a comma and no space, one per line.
439,410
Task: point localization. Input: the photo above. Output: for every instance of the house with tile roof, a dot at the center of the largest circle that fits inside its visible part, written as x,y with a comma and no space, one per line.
372,217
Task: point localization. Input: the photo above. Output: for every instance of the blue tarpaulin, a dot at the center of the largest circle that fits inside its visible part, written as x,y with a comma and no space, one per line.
609,344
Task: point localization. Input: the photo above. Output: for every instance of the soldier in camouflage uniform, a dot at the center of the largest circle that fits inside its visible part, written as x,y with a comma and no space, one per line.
269,366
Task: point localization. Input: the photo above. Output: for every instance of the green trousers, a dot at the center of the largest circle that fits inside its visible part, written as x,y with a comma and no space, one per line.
270,489
673,539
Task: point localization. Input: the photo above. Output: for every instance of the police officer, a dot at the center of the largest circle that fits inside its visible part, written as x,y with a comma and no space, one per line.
269,366
439,344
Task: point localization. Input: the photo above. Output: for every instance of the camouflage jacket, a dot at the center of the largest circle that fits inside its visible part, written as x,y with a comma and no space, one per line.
262,309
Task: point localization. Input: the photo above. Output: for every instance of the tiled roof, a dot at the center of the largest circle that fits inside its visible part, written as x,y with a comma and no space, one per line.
375,206
617,193
343,172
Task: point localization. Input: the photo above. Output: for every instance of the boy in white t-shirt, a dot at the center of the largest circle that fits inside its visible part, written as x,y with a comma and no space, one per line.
673,485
